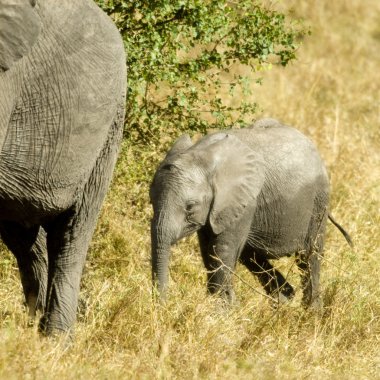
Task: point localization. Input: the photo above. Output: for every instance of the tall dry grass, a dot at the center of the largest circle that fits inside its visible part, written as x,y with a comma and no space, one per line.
332,94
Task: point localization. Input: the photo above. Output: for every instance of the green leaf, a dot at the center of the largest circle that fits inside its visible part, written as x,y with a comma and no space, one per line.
182,57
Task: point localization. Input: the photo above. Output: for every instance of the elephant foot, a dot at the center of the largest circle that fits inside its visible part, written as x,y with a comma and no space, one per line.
47,329
43,325
227,295
223,306
31,305
282,296
62,340
286,292
280,299
314,304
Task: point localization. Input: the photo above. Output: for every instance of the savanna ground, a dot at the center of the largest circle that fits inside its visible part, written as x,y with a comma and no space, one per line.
332,94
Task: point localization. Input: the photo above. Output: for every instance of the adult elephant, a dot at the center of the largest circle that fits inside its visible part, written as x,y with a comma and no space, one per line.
62,84
252,195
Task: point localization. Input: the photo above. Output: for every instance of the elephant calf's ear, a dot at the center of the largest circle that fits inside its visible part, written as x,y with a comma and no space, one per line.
180,145
237,181
20,27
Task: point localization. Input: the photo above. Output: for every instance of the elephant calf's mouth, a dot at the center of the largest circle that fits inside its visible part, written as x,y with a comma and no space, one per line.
189,230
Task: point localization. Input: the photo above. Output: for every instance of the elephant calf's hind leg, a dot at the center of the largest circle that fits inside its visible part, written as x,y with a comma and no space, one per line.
309,265
271,279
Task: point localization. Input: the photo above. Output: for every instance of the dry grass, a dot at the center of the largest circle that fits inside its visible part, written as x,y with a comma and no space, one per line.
331,93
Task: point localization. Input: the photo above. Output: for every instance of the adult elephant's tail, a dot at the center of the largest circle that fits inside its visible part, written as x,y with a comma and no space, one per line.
342,230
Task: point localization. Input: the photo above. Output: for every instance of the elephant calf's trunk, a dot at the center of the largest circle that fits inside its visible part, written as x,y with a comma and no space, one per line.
160,265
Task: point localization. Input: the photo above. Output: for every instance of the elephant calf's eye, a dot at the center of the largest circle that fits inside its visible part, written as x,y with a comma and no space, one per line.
190,206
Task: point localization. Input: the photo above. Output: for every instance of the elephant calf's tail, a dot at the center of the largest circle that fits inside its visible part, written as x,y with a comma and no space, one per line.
342,230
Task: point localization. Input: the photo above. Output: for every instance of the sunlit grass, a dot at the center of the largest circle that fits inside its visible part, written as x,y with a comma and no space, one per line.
332,94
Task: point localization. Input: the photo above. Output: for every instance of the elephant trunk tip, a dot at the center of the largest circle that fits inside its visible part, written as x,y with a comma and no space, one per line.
159,292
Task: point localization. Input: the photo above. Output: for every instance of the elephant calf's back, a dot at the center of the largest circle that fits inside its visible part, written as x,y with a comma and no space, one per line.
295,193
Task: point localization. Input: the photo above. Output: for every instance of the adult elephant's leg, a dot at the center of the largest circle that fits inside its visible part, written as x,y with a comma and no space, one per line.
68,239
270,278
29,247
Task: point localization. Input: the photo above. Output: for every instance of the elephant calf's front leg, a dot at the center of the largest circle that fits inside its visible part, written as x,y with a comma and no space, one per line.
219,258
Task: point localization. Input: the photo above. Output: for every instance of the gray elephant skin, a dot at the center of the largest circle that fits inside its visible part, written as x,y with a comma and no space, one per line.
252,195
62,83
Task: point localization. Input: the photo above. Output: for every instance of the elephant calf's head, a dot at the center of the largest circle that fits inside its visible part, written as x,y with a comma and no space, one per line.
210,182
181,195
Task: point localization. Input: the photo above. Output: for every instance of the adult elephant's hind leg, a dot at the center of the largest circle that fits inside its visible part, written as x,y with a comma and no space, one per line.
29,247
68,239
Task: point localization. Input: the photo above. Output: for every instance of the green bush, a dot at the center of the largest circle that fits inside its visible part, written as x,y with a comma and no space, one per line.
183,60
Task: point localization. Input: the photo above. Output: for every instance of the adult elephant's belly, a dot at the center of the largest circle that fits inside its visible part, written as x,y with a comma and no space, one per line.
47,158
29,200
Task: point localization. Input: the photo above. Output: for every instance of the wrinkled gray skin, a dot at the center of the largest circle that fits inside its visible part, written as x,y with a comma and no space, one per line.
62,85
251,194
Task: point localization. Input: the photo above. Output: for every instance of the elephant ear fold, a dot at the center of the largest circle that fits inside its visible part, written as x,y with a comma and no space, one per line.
237,180
19,30
180,145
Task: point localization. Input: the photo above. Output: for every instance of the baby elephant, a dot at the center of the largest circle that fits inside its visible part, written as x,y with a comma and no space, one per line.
252,195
